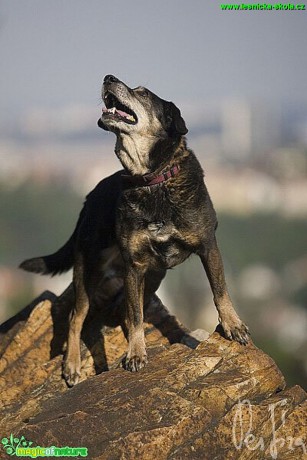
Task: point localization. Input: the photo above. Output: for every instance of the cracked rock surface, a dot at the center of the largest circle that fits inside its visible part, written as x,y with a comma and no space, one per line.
213,399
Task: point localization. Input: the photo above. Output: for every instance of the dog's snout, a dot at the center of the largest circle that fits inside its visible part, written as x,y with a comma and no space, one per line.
110,79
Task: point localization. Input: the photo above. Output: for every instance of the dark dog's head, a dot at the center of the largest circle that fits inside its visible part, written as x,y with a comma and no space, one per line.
140,120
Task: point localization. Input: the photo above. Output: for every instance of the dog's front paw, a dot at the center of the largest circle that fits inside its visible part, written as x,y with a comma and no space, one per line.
71,373
236,330
135,363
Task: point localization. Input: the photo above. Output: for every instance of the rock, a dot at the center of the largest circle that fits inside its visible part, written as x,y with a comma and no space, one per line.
216,400
194,337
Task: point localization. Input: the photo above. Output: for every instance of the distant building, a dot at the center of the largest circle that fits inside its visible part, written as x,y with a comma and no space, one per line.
249,127
236,128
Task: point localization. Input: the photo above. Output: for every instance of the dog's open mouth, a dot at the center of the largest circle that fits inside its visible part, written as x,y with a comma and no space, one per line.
117,110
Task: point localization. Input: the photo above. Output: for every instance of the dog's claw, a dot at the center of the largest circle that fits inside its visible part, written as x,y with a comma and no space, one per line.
135,363
71,374
239,337
240,333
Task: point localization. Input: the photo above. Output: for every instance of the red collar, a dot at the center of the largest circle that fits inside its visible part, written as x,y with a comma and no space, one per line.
151,179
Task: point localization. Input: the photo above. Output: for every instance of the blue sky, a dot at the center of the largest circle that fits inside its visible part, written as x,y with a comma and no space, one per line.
55,53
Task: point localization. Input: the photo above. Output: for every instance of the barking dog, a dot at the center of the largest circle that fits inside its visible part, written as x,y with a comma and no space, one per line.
156,211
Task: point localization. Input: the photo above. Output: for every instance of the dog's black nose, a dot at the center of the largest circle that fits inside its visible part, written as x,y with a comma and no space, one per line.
110,79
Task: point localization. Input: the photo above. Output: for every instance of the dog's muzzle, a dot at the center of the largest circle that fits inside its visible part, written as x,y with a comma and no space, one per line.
116,109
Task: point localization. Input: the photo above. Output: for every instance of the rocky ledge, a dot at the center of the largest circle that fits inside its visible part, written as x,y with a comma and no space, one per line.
213,399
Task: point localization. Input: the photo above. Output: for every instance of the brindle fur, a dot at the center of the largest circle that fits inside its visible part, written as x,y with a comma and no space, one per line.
155,227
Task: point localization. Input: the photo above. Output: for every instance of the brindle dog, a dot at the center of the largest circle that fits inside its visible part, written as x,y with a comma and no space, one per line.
157,211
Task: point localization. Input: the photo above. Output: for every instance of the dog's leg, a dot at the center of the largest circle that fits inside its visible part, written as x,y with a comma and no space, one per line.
134,294
72,360
233,327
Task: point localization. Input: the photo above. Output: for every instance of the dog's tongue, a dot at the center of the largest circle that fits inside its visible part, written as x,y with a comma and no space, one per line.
114,110
122,114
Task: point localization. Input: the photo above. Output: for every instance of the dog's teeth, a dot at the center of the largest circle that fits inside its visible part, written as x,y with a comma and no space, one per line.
130,117
113,110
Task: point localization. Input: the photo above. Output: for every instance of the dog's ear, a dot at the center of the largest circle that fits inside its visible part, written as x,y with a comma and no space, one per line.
175,122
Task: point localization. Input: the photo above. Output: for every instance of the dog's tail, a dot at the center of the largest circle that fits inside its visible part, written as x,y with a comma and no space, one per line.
53,264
